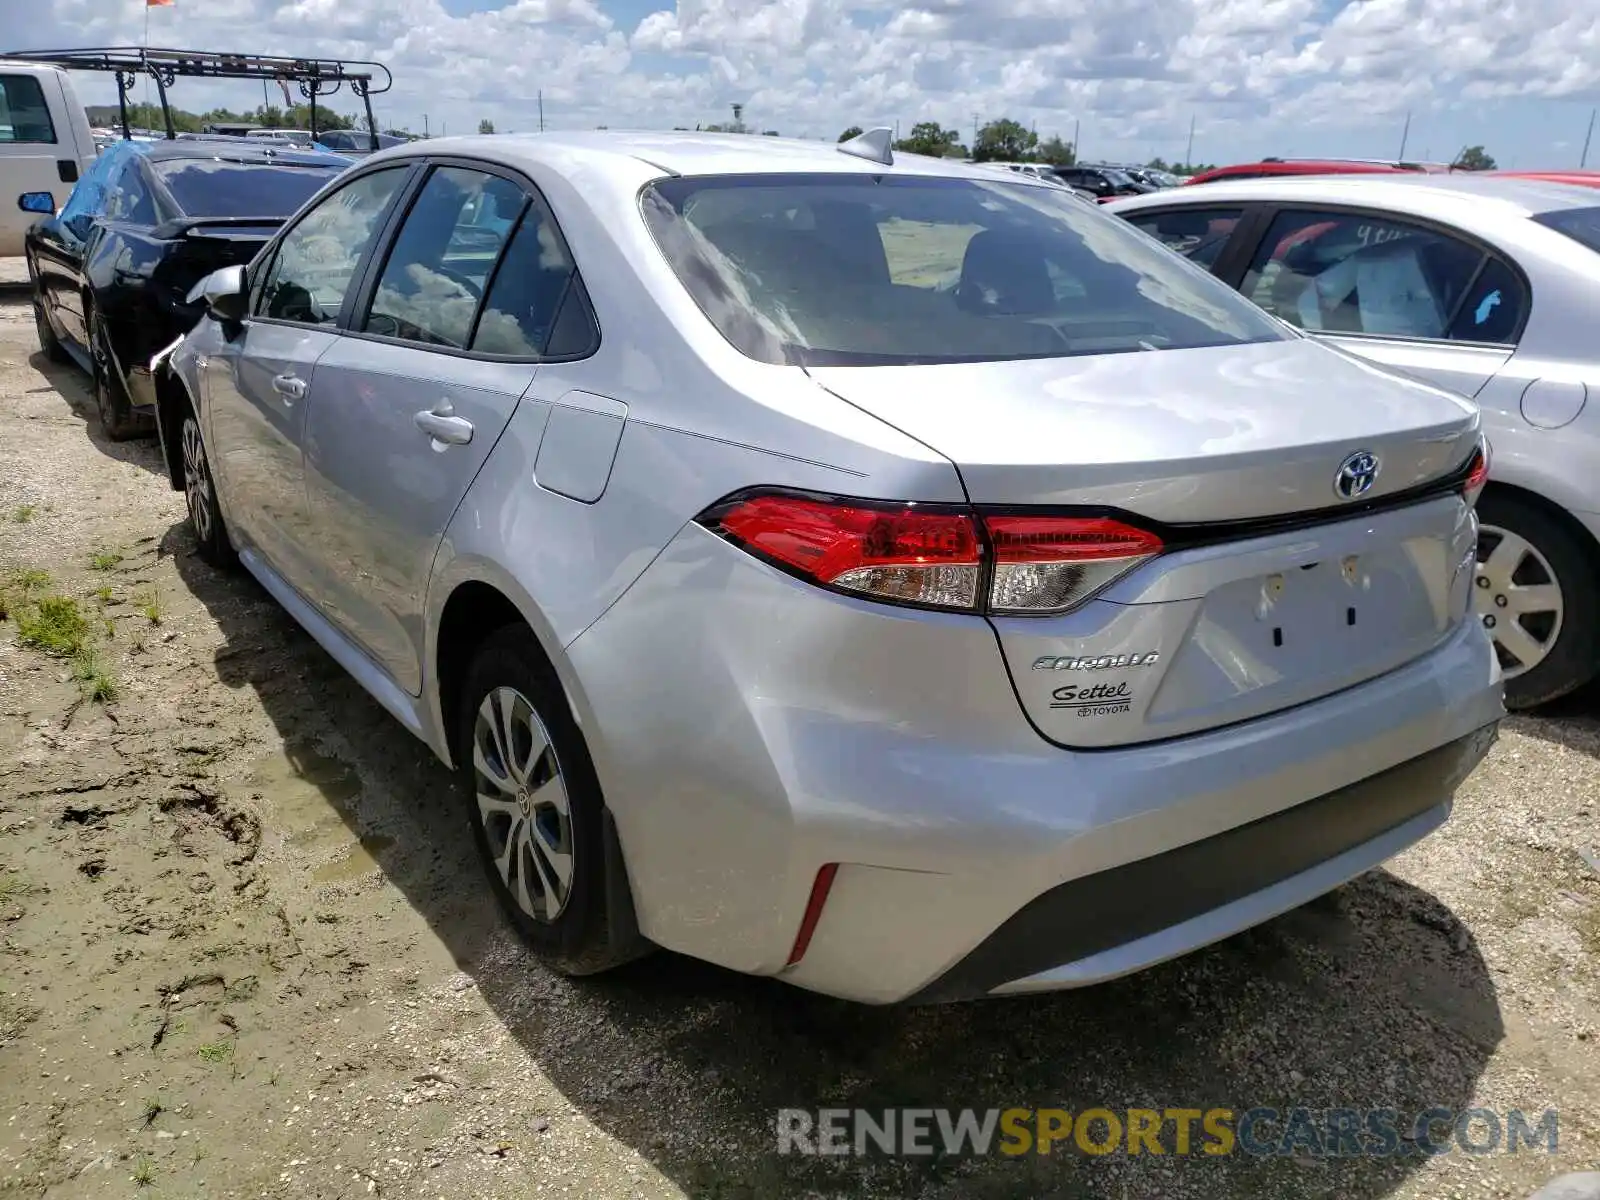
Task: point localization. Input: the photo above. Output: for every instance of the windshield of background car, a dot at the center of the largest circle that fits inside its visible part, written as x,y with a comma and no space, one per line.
210,187
859,270
1582,225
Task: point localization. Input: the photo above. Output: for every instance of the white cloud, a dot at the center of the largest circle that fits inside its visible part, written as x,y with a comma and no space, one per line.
1290,76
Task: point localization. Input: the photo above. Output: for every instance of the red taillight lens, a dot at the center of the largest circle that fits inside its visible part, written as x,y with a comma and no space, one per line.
1477,473
1050,564
904,552
934,556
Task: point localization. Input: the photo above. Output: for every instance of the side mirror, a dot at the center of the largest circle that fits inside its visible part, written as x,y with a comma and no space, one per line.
224,293
42,203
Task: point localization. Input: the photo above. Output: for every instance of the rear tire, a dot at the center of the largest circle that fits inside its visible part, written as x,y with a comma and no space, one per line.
528,787
117,417
1547,640
200,495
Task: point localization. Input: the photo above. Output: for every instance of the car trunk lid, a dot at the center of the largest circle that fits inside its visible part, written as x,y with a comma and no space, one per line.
1272,587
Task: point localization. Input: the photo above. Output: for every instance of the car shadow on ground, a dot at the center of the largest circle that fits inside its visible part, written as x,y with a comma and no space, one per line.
1376,997
1572,721
75,387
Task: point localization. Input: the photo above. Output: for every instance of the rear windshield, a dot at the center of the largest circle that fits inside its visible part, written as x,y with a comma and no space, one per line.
208,187
857,270
1582,225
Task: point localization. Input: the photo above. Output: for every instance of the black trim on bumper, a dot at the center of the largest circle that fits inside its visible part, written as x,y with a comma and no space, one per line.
1110,908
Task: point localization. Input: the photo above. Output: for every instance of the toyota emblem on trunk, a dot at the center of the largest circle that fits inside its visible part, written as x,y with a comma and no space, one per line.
1356,475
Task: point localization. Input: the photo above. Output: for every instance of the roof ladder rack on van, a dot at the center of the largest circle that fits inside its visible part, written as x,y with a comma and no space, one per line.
315,76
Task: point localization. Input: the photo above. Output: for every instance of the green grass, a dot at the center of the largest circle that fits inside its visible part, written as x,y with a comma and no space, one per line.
103,595
23,513
13,887
144,1172
98,683
150,605
30,580
216,1052
15,591
104,560
52,624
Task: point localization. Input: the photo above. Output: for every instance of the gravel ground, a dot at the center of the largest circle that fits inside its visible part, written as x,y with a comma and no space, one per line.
245,949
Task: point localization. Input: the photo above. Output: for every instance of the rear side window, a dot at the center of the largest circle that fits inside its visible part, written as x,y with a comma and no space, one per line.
857,270
1362,273
213,187
128,198
438,269
24,115
1199,234
537,305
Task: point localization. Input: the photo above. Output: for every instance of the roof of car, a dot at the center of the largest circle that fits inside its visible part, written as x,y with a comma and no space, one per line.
237,150
691,153
1412,191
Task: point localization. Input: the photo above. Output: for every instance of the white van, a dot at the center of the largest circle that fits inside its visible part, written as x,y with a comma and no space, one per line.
45,144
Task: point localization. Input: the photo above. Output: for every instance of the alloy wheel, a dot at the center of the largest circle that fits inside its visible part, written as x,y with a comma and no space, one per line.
1518,598
41,321
197,480
523,803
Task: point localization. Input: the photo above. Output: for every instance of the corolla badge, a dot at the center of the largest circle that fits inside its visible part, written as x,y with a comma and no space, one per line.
1357,474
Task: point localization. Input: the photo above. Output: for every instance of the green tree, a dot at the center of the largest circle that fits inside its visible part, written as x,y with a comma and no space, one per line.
1473,158
854,131
1056,152
486,126
1004,140
927,137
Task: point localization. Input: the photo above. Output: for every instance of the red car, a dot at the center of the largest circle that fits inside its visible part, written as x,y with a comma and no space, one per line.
1303,166
1579,178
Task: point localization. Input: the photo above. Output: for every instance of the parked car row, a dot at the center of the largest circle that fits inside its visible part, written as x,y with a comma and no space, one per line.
1481,285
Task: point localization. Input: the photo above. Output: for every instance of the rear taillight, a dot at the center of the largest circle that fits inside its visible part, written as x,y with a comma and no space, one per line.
910,553
1049,564
1477,473
936,556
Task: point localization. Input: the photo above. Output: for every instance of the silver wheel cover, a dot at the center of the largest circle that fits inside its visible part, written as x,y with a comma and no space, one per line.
522,802
1518,598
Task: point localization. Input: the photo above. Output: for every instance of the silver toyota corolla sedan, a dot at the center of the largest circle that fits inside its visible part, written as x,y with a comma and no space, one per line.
1483,285
855,568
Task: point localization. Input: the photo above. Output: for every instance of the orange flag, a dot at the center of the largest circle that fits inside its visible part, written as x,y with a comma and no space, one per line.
158,3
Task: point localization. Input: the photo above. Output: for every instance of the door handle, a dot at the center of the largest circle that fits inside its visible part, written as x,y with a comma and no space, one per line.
290,387
442,425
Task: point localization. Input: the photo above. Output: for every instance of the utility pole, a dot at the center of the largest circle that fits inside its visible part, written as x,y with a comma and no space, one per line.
1188,154
541,110
425,132
1405,135
974,132
1077,154
1584,161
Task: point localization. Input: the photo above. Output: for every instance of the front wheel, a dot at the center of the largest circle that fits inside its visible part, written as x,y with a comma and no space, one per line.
49,343
200,496
1538,594
529,790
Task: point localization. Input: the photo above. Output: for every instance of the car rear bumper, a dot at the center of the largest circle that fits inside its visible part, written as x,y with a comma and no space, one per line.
1100,926
749,730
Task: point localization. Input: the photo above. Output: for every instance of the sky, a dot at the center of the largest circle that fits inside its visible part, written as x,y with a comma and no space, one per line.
1256,77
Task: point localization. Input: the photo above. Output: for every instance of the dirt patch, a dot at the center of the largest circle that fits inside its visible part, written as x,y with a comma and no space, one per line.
245,950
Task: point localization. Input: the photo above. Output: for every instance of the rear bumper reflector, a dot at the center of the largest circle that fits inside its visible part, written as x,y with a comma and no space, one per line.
820,887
